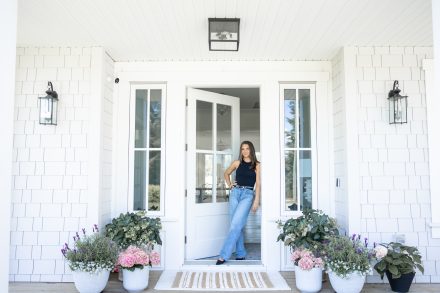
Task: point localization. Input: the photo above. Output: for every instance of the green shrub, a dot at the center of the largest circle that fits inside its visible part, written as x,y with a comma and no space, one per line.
344,255
309,230
398,259
134,228
91,253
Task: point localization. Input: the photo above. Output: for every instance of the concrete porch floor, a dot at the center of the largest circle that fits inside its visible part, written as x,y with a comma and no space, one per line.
115,286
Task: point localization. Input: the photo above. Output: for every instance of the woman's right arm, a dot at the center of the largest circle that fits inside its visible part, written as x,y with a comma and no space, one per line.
229,171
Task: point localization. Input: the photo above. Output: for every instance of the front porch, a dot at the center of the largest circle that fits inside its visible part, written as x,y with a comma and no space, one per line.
115,286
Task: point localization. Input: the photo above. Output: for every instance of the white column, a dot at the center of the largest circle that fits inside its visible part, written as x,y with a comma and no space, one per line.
94,140
8,33
433,119
352,137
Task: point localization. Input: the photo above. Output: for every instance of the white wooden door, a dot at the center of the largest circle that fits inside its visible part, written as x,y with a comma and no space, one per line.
213,142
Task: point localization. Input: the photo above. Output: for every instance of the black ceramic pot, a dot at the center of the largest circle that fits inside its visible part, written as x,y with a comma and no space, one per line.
401,284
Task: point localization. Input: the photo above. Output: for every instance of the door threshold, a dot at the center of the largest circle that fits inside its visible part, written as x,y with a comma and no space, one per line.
230,265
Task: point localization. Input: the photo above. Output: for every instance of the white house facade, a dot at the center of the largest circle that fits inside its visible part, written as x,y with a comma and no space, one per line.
155,132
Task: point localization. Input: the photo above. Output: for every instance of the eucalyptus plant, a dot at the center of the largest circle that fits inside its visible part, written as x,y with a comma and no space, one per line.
398,259
310,230
134,228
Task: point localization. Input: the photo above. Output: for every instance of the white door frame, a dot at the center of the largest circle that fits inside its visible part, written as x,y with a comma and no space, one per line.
178,76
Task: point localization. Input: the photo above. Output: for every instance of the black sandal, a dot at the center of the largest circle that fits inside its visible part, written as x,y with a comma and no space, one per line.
220,262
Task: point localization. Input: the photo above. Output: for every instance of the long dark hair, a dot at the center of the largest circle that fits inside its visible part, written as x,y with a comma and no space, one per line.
254,160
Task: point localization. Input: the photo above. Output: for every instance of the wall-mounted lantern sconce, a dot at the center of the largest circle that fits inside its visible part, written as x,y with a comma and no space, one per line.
224,34
48,106
398,105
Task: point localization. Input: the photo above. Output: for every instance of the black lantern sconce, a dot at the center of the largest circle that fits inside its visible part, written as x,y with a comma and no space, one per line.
398,105
224,34
49,106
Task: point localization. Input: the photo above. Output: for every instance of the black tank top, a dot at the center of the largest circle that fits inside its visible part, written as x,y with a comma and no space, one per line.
244,175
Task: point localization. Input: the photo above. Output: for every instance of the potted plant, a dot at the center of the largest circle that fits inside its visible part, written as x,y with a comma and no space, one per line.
399,262
308,270
91,259
347,261
134,228
135,262
309,230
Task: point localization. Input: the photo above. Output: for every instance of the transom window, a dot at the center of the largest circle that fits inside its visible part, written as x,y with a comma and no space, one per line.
297,110
147,148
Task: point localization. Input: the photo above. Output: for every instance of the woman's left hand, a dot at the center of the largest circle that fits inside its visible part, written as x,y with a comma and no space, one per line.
255,206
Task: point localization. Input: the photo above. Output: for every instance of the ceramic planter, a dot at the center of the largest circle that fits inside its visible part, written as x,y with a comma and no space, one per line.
135,281
352,283
308,281
401,284
86,282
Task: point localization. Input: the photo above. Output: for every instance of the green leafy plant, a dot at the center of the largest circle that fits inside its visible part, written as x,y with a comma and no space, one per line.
310,230
398,259
134,228
91,253
344,255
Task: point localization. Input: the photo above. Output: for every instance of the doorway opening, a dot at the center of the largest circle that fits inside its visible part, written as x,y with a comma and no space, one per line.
210,122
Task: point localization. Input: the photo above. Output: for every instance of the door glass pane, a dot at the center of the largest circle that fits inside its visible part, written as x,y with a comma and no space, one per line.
304,118
223,162
140,180
154,181
291,181
289,117
204,125
141,122
224,125
204,178
155,117
305,179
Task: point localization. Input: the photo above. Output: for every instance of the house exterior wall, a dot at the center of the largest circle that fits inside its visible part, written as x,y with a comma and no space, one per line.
393,159
51,174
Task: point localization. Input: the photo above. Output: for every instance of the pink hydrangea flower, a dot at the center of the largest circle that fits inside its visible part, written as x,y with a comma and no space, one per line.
306,260
155,258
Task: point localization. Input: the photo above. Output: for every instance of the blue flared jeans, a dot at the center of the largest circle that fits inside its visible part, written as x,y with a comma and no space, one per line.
240,203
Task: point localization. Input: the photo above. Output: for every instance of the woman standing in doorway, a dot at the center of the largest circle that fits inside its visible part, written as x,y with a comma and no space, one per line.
241,199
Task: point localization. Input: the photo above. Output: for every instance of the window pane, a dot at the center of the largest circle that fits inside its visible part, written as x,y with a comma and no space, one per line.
140,180
290,181
204,125
304,118
141,122
155,117
289,117
223,162
204,178
154,181
224,123
305,179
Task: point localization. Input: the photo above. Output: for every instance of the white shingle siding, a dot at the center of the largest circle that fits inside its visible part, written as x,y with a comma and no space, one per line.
397,200
47,179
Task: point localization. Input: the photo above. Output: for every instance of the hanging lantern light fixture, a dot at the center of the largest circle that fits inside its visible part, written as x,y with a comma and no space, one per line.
48,106
398,105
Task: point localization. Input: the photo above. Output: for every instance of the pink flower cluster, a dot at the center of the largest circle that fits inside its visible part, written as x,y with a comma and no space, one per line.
133,256
306,260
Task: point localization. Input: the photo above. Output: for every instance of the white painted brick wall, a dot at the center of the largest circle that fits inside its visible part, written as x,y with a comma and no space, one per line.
398,201
47,179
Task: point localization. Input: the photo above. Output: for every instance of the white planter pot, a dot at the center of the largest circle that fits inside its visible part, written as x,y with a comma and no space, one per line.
353,283
135,281
308,281
86,282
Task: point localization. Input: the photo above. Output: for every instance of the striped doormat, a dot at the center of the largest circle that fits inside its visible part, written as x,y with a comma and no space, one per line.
221,281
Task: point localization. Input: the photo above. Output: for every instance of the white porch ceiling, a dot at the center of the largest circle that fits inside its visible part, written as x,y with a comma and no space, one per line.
164,30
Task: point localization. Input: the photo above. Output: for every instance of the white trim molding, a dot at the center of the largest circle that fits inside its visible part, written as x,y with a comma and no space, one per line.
433,119
352,139
8,29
